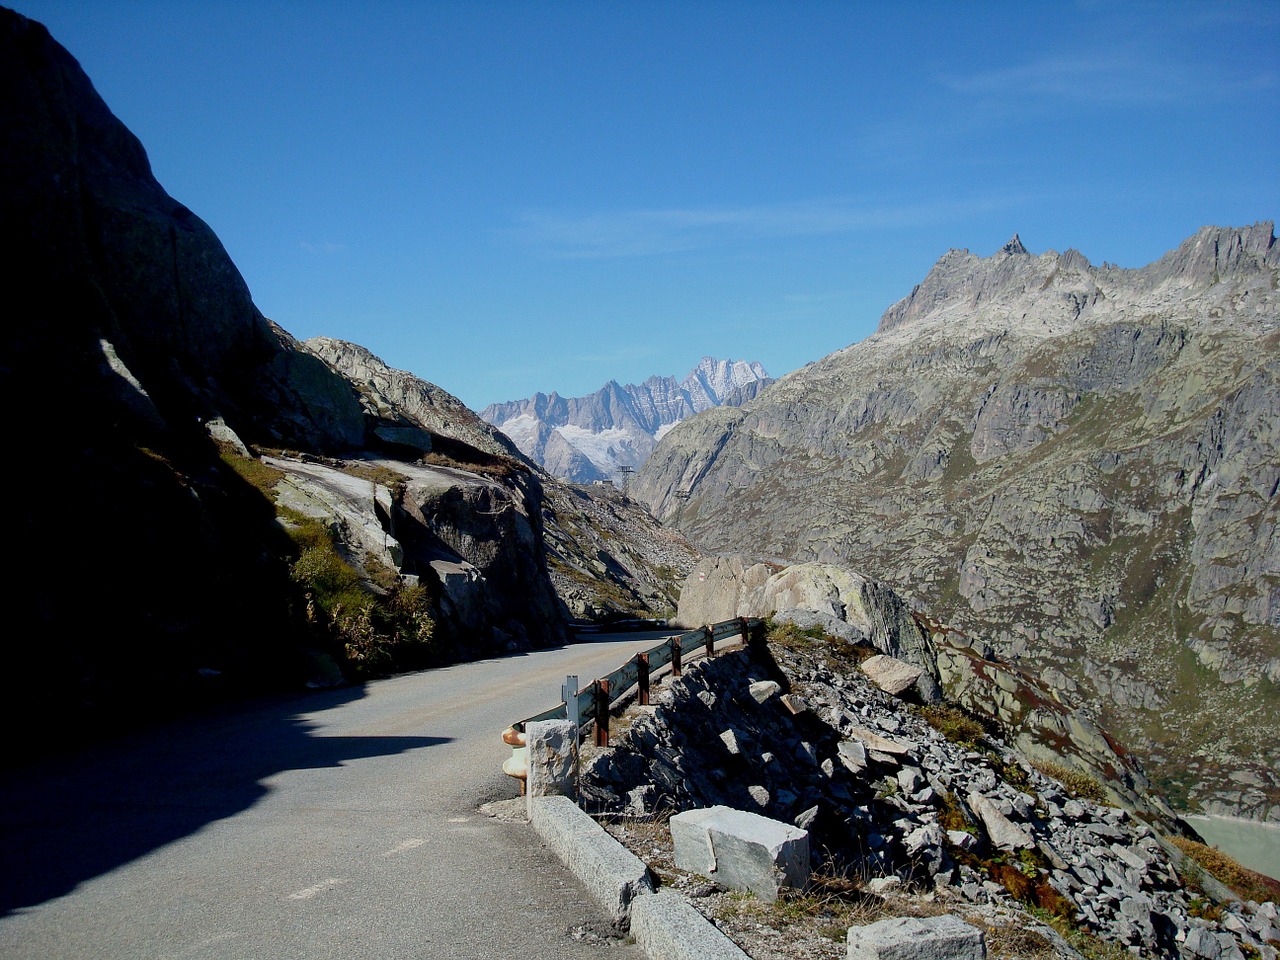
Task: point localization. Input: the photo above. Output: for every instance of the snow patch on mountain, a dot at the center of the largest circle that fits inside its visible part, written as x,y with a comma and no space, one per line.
589,438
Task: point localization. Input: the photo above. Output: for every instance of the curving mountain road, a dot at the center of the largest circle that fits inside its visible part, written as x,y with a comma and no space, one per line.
341,824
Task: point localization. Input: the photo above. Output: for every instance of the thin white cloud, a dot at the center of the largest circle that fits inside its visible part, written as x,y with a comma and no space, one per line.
651,232
1116,77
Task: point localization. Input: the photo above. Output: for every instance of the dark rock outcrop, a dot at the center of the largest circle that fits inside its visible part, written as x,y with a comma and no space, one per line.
149,575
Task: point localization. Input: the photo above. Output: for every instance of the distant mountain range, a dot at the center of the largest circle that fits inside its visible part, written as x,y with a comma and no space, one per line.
584,439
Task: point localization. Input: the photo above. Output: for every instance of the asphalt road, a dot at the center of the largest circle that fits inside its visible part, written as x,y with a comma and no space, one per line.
341,824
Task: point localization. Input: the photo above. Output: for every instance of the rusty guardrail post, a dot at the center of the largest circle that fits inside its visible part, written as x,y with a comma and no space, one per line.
711,640
642,677
602,713
676,650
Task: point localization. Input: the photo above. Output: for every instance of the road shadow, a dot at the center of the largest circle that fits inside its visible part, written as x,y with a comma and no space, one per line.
73,817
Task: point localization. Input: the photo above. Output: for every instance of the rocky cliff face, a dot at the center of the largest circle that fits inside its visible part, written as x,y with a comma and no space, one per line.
608,557
582,439
135,370
406,409
1076,463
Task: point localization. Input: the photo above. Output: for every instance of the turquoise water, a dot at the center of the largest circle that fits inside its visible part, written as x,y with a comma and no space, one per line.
1252,844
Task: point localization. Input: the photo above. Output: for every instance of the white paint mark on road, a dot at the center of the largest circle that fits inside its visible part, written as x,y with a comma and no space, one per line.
319,888
200,949
411,844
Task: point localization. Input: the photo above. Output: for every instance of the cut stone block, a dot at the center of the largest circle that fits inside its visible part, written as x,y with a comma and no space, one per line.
741,850
551,756
612,874
666,926
917,938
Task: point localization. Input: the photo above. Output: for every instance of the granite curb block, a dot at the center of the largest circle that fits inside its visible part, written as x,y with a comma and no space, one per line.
612,874
663,924
667,928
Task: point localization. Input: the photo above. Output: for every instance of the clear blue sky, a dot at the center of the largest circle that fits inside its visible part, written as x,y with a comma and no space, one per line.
506,197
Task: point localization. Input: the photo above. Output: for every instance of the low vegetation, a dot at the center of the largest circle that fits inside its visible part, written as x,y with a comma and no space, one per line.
376,631
1085,943
954,723
447,452
824,910
1244,882
1084,786
838,655
367,615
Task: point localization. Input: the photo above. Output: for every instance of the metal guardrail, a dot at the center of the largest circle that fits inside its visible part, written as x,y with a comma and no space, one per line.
594,701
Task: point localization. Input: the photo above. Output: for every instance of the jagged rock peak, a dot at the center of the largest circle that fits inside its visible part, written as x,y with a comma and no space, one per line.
1213,253
1014,246
1056,288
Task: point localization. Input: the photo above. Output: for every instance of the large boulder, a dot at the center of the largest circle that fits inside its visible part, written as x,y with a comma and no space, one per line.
720,588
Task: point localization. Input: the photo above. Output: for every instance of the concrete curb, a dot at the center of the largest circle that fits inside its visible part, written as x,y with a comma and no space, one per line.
667,928
663,924
611,873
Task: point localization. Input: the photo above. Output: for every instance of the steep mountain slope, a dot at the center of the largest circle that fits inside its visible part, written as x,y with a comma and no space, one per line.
582,439
387,393
160,561
1079,463
606,555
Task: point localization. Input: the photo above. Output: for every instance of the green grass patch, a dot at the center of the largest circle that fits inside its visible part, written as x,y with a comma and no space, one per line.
376,622
954,723
1077,783
261,476
838,655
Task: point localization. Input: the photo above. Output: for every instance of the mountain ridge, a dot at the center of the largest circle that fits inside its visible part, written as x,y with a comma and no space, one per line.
590,438
1076,462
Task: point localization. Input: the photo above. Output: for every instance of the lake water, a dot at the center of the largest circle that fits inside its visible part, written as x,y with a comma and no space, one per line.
1252,844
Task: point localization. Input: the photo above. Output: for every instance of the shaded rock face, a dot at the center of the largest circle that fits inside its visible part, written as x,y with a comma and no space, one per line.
402,402
583,439
153,577
1076,463
124,277
977,823
129,331
474,542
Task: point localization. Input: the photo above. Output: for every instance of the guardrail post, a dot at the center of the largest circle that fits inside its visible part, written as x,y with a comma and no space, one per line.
675,656
602,713
642,677
711,640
